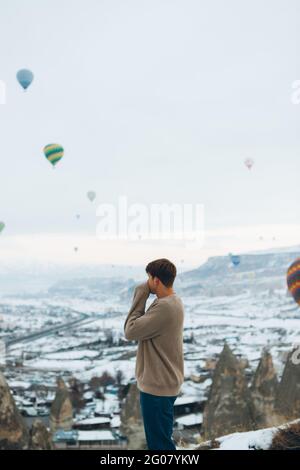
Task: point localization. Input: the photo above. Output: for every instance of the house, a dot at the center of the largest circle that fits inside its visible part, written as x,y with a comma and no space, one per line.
96,423
91,439
190,421
187,404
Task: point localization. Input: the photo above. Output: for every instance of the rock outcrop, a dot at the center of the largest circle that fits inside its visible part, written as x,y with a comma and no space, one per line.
40,438
13,430
288,397
61,414
228,408
132,425
264,389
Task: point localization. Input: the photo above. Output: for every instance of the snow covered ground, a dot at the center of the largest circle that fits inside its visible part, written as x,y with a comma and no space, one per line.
250,311
251,440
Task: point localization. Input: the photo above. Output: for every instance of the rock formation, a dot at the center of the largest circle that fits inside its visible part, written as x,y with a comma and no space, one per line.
13,430
288,397
228,408
263,392
61,414
40,438
132,425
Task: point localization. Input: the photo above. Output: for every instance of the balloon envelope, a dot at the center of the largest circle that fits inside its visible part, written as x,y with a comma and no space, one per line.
25,78
293,280
249,162
91,195
235,259
53,153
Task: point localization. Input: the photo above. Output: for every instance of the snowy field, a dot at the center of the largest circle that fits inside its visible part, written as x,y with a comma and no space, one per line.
248,320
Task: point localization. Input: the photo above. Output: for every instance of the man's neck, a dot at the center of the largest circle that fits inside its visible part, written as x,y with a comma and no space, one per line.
165,293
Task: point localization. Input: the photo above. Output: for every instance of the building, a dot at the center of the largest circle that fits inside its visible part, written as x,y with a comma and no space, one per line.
186,405
89,424
191,421
93,439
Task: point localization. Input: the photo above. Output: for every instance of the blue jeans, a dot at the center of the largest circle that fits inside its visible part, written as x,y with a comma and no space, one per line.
157,413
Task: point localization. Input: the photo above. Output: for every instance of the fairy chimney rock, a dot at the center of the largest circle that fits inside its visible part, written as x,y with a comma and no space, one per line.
228,408
13,430
40,438
288,397
131,419
264,388
61,414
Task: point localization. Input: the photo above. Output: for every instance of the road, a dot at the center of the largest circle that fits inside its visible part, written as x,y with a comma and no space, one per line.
47,332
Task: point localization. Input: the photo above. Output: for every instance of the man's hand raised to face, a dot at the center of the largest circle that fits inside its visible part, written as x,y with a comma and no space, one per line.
143,288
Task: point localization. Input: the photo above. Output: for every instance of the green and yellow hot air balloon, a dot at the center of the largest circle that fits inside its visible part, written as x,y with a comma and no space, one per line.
53,153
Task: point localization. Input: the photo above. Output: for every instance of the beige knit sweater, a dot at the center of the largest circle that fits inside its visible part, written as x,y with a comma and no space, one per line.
159,362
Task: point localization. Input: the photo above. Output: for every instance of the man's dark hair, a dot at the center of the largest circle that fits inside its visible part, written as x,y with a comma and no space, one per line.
163,269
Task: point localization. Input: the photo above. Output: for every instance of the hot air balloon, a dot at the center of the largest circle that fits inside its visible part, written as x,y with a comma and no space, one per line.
249,162
91,195
77,216
25,78
2,226
75,249
53,153
293,280
235,259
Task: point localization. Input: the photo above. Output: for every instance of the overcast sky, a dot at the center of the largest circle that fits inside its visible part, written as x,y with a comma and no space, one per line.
160,101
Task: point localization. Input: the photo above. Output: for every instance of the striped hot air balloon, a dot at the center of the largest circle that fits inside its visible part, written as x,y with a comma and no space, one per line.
293,280
53,153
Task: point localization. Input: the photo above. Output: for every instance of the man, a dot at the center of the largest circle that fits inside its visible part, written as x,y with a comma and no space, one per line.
159,362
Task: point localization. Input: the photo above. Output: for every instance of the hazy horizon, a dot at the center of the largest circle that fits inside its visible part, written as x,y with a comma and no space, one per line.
160,101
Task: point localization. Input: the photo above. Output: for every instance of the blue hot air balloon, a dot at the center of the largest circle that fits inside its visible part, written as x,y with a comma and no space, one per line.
25,77
235,259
